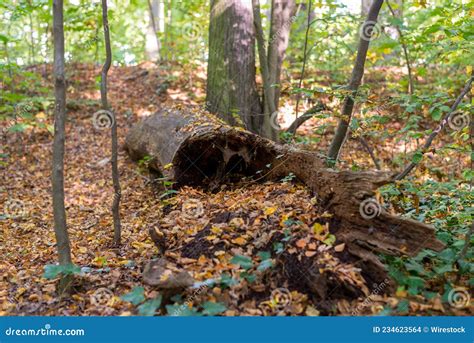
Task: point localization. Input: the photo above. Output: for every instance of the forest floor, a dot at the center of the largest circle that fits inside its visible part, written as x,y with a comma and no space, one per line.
27,241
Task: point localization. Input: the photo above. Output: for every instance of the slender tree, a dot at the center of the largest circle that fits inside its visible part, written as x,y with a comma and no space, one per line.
280,25
105,107
57,175
268,94
401,37
356,78
153,44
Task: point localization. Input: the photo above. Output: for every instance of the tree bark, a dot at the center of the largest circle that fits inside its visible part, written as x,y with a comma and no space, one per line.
57,175
281,20
231,86
153,44
268,130
105,107
193,148
356,78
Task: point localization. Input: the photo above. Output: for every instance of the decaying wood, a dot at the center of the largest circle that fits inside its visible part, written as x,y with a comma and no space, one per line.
195,148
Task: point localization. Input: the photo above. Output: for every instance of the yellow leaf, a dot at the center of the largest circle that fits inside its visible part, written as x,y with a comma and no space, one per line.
270,210
239,241
40,115
216,230
401,293
318,228
168,166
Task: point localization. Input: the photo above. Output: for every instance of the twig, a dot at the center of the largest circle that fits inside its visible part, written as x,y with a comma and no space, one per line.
370,151
307,115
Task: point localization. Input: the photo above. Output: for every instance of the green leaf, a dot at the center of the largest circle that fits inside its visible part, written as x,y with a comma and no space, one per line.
211,308
264,255
330,240
52,271
20,127
149,308
243,261
249,277
227,281
417,157
136,296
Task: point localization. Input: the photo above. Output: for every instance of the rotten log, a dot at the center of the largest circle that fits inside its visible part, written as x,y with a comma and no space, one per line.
192,147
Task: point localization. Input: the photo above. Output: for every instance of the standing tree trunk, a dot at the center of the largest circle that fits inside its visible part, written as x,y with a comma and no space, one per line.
397,14
231,86
268,130
57,175
105,107
281,20
153,44
356,78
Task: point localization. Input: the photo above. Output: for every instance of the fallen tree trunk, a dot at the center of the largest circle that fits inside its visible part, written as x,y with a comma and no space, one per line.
194,148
